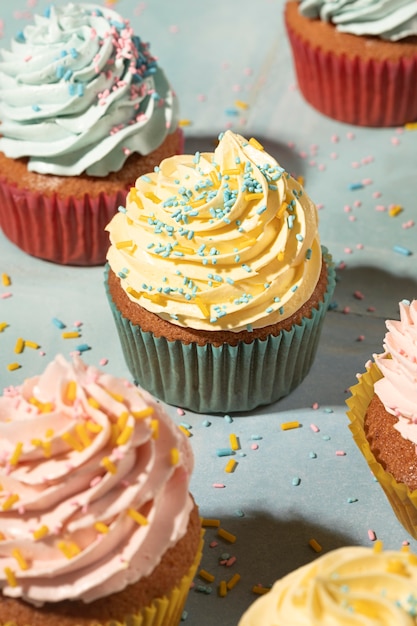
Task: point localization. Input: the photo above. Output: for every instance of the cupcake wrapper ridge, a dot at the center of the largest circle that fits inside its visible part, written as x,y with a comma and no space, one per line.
402,500
210,379
354,90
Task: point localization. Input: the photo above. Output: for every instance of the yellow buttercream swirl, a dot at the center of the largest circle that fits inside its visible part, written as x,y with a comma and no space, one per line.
351,586
220,241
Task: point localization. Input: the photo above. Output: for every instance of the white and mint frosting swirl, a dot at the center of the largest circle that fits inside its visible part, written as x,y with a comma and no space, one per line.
388,19
79,92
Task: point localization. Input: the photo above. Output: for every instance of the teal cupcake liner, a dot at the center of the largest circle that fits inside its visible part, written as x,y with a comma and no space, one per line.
223,379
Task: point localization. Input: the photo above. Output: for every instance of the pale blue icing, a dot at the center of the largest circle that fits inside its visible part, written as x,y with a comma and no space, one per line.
388,19
74,100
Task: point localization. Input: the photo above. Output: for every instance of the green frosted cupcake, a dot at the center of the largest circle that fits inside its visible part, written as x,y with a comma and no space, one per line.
217,279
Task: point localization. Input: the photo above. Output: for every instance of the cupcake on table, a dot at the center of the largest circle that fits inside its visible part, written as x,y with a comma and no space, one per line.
84,108
97,523
356,61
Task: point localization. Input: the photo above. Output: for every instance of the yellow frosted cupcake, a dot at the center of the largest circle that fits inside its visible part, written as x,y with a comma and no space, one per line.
96,520
217,280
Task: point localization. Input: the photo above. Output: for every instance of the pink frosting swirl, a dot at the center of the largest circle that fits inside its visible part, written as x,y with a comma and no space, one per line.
397,389
94,484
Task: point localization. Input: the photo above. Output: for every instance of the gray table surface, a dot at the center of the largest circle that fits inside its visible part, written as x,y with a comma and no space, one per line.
219,55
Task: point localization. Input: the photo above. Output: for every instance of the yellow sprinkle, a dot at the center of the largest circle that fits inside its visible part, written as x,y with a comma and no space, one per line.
11,578
206,575
395,210
21,561
31,344
174,456
133,292
241,104
233,171
214,178
72,441
412,558
280,256
315,545
13,366
149,410
49,433
411,126
124,436
115,432
138,517
14,459
253,142
259,590
109,465
210,523
2,536
5,279
233,581
101,527
156,298
182,123
396,566
405,548
3,325
71,391
82,434
46,445
363,607
222,589
93,427
10,501
196,203
234,442
300,179
183,249
290,425
253,196
246,243
378,546
151,196
40,532
20,344
122,419
184,430
94,403
203,307
70,334
155,429
124,244
116,396
224,534
70,549
230,466
282,209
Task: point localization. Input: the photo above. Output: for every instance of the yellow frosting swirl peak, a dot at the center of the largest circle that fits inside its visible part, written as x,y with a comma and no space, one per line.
219,241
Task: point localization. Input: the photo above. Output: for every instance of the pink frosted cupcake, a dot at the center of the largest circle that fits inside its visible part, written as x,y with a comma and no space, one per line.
97,523
356,61
84,108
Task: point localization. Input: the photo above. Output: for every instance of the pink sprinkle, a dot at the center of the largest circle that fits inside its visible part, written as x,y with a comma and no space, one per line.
314,428
322,167
346,310
180,411
334,138
248,71
219,485
93,33
395,141
174,28
201,97
315,405
357,203
361,338
254,446
367,181
77,324
303,154
348,250
376,194
213,544
230,561
350,135
408,224
347,208
380,207
371,535
371,309
342,265
359,246
355,164
333,155
405,542
95,481
340,453
7,294
42,353
103,361
320,205
236,88
352,218
358,295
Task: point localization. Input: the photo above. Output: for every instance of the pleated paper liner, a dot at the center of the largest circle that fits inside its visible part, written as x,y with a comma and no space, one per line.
211,379
401,498
377,93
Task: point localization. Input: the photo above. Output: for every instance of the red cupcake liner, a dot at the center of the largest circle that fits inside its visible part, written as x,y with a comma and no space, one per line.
69,231
354,90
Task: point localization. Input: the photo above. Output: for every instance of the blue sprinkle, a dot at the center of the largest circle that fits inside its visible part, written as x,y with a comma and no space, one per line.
354,186
240,513
206,423
20,37
326,438
312,455
256,437
68,75
58,323
36,107
351,500
308,254
63,54
71,89
73,53
402,250
80,89
328,410
261,210
228,419
296,481
83,347
224,452
146,178
60,71
231,111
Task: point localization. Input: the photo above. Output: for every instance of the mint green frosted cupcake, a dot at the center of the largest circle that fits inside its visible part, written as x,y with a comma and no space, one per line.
217,279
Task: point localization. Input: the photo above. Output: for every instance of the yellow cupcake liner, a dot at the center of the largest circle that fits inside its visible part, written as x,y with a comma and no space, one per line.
165,611
401,498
